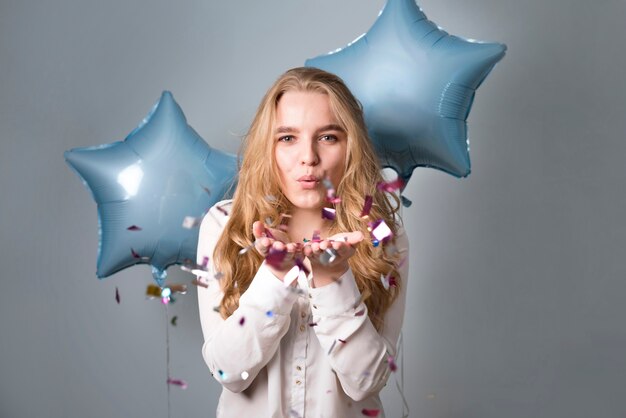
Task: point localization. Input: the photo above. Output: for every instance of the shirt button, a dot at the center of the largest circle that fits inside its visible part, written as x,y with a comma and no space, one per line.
298,368
298,382
302,328
303,314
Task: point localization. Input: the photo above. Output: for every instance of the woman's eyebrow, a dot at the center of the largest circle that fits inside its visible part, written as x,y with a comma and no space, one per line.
285,130
289,129
331,127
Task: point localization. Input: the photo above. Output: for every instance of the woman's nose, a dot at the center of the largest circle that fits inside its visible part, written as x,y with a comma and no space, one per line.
308,154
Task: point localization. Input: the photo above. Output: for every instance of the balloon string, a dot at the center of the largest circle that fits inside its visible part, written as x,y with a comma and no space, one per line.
167,357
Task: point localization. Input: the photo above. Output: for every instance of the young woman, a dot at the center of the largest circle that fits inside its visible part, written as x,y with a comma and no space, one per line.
302,311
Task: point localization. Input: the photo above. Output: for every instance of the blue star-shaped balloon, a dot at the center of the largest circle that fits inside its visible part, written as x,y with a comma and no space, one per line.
416,84
161,176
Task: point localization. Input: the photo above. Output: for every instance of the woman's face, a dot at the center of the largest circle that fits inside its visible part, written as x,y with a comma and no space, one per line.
308,144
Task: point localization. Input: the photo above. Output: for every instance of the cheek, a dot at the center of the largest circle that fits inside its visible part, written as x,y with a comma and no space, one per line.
283,162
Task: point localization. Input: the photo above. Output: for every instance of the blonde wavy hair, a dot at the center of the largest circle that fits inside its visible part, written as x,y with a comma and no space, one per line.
259,179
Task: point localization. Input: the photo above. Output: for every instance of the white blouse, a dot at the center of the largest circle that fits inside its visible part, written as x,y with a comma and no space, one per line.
295,352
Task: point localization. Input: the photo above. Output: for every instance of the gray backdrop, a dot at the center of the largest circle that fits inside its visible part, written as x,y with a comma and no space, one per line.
516,288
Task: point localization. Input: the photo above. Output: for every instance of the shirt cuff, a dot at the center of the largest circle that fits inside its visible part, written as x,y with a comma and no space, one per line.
336,298
268,293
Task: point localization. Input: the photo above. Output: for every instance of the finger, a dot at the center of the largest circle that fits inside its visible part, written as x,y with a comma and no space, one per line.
323,245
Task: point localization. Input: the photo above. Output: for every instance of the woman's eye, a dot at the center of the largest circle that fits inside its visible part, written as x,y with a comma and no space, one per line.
329,138
286,138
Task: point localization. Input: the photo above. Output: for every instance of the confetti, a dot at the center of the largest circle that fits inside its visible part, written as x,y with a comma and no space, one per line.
269,314
245,375
206,189
134,228
390,186
173,321
270,198
275,257
392,282
316,236
360,313
328,213
135,255
246,249
405,201
177,382
222,374
153,291
370,412
190,222
198,282
117,295
268,233
341,341
385,281
332,346
379,230
221,209
242,320
392,364
313,324
328,256
330,190
367,206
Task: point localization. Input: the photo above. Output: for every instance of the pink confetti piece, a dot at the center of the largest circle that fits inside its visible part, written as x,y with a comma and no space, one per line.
367,206
390,186
370,412
316,236
341,341
206,189
177,382
117,295
360,313
221,209
268,233
242,320
330,190
313,324
328,213
392,364
275,257
133,228
135,255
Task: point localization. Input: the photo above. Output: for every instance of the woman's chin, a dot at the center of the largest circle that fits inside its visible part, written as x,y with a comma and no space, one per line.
308,202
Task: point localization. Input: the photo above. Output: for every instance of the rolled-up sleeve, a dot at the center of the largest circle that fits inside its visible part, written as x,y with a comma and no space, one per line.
357,352
237,348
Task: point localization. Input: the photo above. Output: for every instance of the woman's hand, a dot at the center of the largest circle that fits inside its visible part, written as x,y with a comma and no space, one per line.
329,257
273,244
